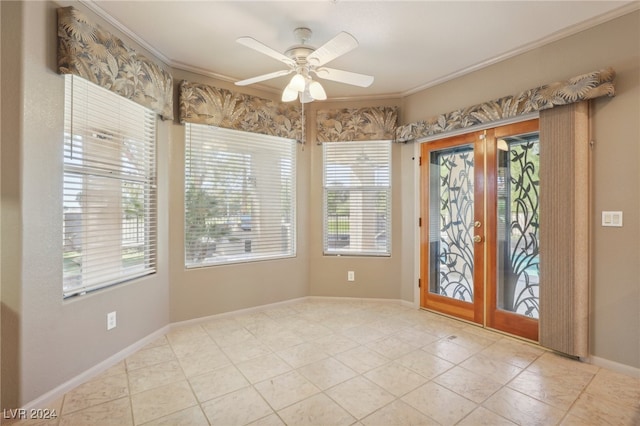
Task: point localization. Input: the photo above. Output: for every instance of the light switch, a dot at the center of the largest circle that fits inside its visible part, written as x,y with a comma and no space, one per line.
612,218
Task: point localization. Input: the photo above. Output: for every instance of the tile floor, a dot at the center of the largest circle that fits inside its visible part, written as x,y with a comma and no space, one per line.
344,362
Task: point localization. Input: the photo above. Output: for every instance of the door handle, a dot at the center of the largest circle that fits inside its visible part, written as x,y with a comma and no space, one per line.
477,239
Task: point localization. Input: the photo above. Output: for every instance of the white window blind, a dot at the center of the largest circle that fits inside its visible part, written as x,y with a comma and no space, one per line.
239,196
109,196
357,198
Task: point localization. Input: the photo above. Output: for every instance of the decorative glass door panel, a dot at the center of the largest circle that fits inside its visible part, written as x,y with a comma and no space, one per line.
451,223
466,259
518,225
451,207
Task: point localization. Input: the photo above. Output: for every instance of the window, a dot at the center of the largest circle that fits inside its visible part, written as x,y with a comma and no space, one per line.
357,198
239,196
109,198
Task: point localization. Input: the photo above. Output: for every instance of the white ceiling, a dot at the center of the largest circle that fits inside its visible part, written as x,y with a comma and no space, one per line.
405,45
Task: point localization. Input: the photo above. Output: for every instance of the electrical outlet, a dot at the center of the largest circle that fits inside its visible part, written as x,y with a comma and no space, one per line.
351,276
111,320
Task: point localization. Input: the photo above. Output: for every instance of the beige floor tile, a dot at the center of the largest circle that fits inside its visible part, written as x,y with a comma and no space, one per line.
448,350
203,362
232,337
95,392
425,364
312,331
470,385
189,417
398,413
184,349
302,354
186,333
390,325
252,318
237,408
159,402
416,337
483,417
596,410
155,375
347,362
287,389
281,340
513,352
439,403
550,363
334,344
246,351
119,368
359,396
217,383
363,334
316,410
271,420
558,391
327,373
473,338
147,357
498,371
221,323
281,311
263,367
340,323
616,386
361,359
391,347
395,378
113,413
522,409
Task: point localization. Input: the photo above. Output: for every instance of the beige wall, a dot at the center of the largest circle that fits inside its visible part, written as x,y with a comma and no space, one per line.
375,277
40,330
615,289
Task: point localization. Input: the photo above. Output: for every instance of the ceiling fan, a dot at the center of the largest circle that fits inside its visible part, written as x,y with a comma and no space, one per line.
306,60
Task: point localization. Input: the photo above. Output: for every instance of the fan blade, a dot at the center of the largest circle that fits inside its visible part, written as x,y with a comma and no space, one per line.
263,77
337,46
264,49
346,77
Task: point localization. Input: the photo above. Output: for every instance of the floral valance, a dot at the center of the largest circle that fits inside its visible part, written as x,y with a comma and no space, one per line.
356,124
583,87
203,104
88,50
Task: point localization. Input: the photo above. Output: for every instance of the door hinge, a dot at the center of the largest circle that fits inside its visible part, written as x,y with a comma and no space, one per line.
419,222
419,283
420,161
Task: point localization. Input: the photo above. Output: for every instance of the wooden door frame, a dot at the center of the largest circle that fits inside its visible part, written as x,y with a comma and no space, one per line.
465,310
498,319
484,310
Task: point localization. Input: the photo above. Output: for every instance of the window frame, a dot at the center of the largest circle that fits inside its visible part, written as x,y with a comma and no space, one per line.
109,169
368,187
257,225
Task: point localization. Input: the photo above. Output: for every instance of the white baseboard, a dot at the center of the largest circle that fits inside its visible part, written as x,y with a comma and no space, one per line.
253,309
613,366
58,392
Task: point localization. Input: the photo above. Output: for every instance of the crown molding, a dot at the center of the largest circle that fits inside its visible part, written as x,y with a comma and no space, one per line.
616,13
91,5
558,35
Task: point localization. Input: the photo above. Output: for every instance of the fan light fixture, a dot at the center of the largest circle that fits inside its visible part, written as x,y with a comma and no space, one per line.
304,87
304,60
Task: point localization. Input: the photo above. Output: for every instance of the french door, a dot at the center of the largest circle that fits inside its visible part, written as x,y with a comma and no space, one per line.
479,239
